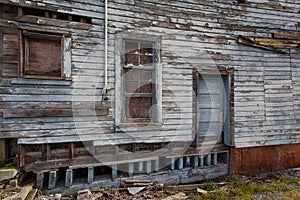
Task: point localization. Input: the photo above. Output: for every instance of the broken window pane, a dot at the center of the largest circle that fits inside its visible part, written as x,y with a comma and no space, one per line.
137,80
131,60
146,49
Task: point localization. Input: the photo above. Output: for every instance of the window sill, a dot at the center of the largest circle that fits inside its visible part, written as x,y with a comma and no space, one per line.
38,81
139,126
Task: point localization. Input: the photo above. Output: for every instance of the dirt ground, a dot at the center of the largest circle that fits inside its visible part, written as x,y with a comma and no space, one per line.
283,185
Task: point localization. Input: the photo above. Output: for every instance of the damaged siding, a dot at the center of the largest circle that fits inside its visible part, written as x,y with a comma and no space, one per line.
197,36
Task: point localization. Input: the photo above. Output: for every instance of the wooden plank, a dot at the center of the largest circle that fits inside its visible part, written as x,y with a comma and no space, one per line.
130,169
114,172
172,163
46,152
1,47
90,177
32,194
15,113
52,179
53,22
148,167
194,161
69,178
40,180
66,57
179,163
28,81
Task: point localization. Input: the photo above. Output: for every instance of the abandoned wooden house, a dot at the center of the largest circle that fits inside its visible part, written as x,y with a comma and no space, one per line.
96,92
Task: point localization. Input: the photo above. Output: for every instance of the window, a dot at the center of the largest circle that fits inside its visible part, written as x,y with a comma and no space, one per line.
138,77
45,55
138,80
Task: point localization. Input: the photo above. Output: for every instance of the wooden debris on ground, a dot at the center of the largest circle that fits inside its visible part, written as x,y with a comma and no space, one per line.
24,191
31,194
83,194
137,183
178,196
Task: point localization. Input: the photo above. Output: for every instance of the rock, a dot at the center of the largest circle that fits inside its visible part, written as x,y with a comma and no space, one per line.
83,194
7,174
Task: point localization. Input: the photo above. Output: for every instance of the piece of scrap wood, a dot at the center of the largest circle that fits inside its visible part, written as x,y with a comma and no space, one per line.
31,194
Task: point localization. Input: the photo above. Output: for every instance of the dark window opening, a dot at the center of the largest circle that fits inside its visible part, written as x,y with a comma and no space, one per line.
32,11
56,15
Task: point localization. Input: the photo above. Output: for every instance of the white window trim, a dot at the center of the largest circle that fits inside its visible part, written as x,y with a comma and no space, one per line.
119,83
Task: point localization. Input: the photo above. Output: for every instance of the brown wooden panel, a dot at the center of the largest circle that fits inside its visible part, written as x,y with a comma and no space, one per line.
255,160
10,52
44,57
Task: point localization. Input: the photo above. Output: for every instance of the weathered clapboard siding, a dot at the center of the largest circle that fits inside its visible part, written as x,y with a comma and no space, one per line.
195,35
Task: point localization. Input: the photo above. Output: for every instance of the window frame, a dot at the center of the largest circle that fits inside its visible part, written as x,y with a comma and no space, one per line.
65,43
156,76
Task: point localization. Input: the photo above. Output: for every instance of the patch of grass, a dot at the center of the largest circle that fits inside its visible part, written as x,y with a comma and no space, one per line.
250,189
218,195
283,187
292,195
210,186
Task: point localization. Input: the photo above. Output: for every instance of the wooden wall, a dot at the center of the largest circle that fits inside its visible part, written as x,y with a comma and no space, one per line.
199,35
255,160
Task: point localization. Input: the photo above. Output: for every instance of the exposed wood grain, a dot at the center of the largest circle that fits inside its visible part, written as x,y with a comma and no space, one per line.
251,161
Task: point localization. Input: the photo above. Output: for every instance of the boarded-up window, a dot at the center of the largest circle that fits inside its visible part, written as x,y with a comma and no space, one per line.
213,109
42,55
45,55
138,81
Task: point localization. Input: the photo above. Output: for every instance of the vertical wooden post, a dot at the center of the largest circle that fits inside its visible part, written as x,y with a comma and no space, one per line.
195,161
172,163
69,178
179,163
140,167
40,180
46,151
72,150
22,155
114,172
156,165
2,151
201,160
130,169
187,161
90,178
207,160
148,167
215,159
52,179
